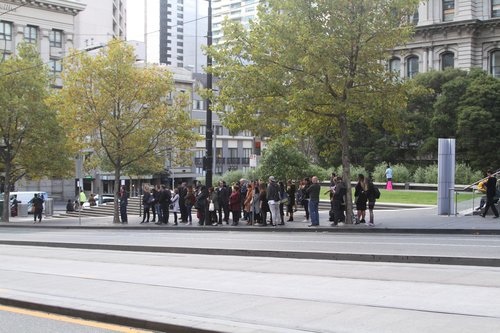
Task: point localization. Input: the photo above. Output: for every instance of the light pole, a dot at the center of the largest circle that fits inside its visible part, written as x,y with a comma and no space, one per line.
209,129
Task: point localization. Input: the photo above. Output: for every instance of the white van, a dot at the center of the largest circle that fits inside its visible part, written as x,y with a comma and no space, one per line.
26,197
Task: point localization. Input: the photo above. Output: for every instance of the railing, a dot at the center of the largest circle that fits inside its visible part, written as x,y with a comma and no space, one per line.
245,160
233,160
472,187
220,160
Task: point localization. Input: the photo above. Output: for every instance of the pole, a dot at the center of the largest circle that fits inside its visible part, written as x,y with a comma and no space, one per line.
209,131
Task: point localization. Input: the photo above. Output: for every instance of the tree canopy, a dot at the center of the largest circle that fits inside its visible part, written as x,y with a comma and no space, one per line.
129,115
32,142
313,66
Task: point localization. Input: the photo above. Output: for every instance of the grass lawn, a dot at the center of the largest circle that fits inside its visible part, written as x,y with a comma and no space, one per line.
407,197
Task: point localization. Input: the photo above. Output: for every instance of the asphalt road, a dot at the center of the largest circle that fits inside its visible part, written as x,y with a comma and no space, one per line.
248,294
467,246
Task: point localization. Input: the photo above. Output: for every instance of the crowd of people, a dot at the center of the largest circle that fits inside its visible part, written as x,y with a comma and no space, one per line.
258,203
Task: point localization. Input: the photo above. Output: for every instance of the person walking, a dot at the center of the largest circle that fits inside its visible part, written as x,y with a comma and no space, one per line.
123,197
37,203
388,176
273,199
491,189
82,198
313,192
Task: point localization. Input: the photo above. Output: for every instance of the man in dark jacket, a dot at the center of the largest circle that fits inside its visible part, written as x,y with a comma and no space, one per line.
223,198
491,190
164,201
313,192
182,201
273,199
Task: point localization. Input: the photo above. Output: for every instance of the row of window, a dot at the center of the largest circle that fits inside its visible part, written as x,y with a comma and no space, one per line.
218,130
447,61
31,34
448,11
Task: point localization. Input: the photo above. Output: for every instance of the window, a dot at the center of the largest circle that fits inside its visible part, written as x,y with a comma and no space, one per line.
202,130
413,19
180,43
247,152
218,130
55,38
30,34
448,10
495,64
233,152
5,30
495,8
411,66
395,66
55,66
447,60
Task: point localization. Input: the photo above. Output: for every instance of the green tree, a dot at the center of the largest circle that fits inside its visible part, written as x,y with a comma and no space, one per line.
313,66
32,142
283,160
122,112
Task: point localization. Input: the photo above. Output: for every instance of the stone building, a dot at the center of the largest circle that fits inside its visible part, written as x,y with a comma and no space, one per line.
452,34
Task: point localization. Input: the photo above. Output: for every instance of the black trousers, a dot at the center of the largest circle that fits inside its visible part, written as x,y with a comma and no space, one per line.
305,203
165,214
123,213
490,203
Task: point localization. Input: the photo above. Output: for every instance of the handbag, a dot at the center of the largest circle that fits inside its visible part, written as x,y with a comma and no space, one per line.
211,206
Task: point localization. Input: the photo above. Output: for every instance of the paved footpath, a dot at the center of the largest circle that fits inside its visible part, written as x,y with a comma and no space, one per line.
414,220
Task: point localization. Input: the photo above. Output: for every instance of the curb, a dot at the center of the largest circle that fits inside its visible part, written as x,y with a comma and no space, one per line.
389,258
103,317
322,229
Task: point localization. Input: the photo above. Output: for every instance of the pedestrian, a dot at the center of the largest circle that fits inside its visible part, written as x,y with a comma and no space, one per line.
248,204
283,202
491,190
223,197
273,199
164,201
235,205
313,192
213,206
190,200
154,205
201,204
182,202
175,204
290,191
146,202
360,199
82,197
388,176
256,204
123,197
372,193
70,207
37,204
305,197
264,205
338,202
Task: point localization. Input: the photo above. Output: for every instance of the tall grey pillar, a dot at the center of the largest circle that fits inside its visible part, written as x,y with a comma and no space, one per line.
446,176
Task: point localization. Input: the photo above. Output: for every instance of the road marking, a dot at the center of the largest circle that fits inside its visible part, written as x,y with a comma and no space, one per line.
70,320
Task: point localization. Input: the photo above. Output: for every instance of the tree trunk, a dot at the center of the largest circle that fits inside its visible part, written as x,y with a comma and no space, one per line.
346,165
116,214
6,194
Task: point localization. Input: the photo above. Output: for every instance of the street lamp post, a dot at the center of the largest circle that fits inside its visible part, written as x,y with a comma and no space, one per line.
209,129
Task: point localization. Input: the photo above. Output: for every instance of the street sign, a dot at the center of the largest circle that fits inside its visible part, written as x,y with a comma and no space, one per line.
253,161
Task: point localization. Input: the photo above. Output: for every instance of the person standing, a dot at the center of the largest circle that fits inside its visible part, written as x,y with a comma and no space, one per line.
388,176
123,197
146,204
82,198
175,204
190,200
338,202
164,201
360,199
290,191
313,193
248,204
491,189
305,197
223,197
371,196
155,192
213,206
264,205
202,204
37,203
182,190
235,205
273,199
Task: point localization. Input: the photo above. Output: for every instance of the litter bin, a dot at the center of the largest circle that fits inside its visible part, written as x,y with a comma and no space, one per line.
22,209
49,207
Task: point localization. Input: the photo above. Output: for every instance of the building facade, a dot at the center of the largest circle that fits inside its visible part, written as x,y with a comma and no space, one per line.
452,34
183,29
237,10
101,21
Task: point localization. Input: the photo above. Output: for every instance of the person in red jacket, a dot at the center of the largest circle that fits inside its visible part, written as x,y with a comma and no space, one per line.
235,205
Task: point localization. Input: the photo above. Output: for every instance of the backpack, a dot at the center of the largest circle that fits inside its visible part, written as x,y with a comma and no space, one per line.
376,192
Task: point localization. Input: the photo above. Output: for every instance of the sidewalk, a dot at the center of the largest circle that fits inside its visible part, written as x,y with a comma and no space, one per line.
415,220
